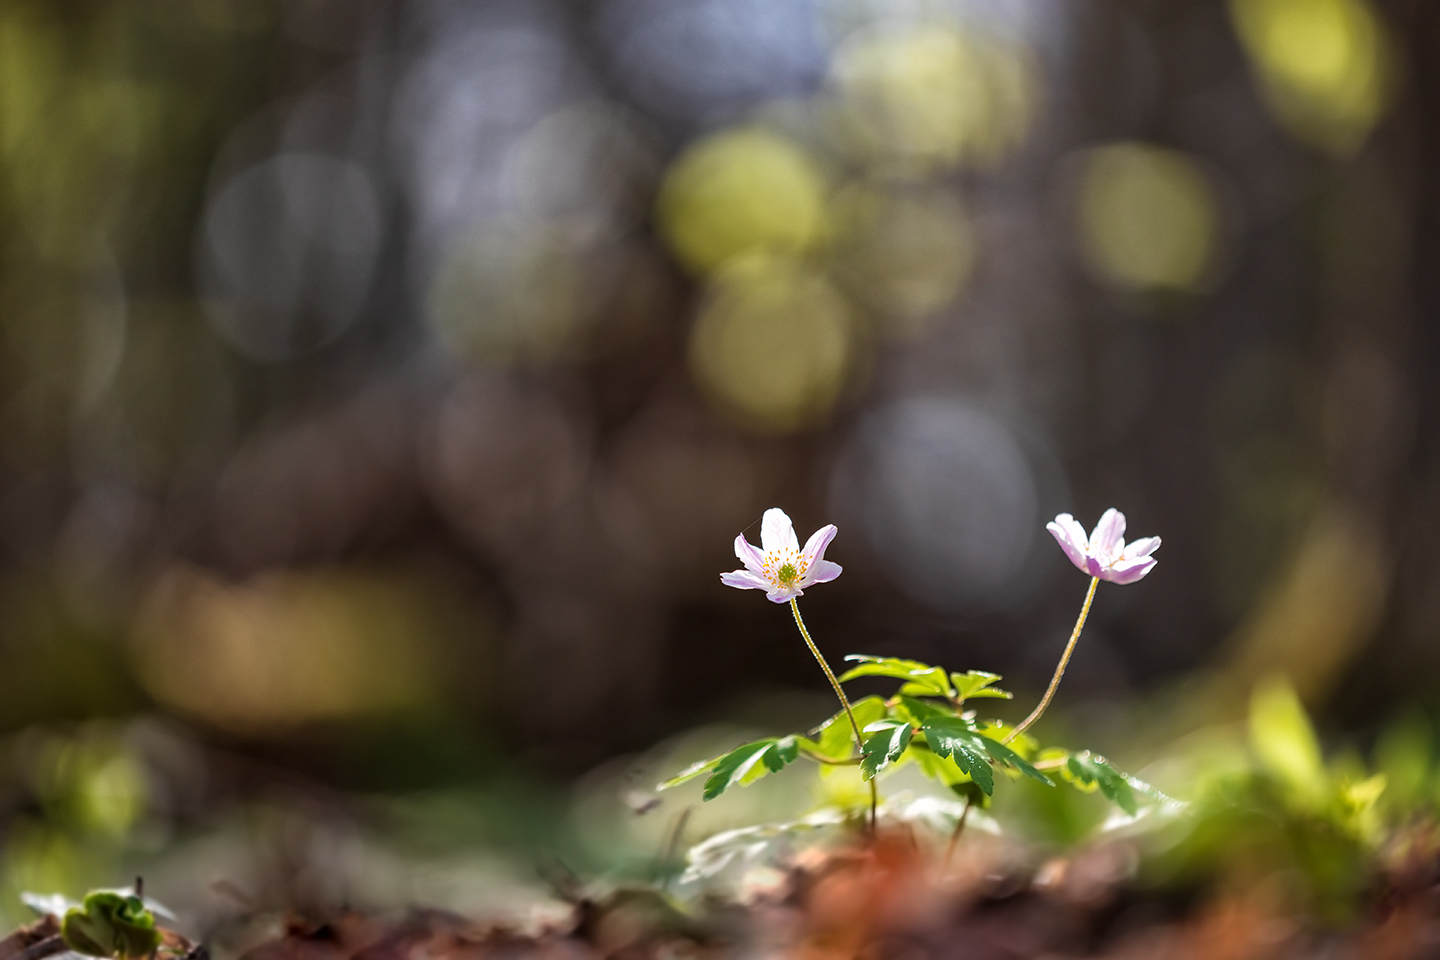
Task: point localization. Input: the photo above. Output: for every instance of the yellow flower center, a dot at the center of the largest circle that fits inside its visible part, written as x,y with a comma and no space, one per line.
788,574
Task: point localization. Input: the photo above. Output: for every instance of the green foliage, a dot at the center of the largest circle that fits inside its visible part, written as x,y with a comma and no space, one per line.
954,738
888,739
1269,804
835,739
977,683
110,924
922,680
923,723
1089,771
744,765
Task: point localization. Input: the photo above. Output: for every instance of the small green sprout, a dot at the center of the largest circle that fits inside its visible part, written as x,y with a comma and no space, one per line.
110,924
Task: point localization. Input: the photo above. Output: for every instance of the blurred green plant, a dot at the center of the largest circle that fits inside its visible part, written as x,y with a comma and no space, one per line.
1270,813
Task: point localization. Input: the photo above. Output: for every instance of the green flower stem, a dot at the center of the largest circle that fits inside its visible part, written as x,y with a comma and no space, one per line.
959,829
1060,669
839,692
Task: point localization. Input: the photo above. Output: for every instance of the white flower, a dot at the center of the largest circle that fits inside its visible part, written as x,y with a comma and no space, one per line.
1104,554
783,570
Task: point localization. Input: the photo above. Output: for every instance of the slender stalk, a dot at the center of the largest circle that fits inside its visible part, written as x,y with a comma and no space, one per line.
839,692
1060,669
959,829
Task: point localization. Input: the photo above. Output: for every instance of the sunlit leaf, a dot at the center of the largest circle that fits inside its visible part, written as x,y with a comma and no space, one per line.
919,711
1010,758
691,772
888,739
835,738
977,683
923,679
956,738
746,764
1088,769
1283,739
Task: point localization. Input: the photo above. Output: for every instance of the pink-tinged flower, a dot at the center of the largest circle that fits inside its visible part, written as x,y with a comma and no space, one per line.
1104,554
782,569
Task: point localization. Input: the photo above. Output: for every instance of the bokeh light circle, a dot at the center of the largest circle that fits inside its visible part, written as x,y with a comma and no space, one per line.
288,251
737,191
947,498
1149,218
904,253
508,293
929,95
772,343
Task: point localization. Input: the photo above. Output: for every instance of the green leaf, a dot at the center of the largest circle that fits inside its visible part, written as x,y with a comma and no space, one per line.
919,711
977,683
835,739
784,754
921,678
1092,769
110,924
1010,758
691,772
1283,739
955,738
888,739
748,763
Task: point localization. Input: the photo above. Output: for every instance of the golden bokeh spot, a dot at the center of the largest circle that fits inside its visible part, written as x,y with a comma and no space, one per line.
1323,66
905,254
933,95
739,191
1148,218
772,343
285,648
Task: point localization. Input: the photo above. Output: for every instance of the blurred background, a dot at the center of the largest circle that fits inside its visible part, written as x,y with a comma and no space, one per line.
385,382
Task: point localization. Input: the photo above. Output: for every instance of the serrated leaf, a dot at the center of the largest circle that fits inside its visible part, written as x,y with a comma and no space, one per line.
924,679
888,739
955,738
920,689
919,711
785,751
974,684
835,739
1092,769
748,763
1010,758
691,772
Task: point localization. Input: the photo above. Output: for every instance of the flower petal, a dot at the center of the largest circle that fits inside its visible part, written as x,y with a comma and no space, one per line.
821,571
745,580
1071,537
1108,537
1128,571
783,594
1141,548
815,546
746,553
777,533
